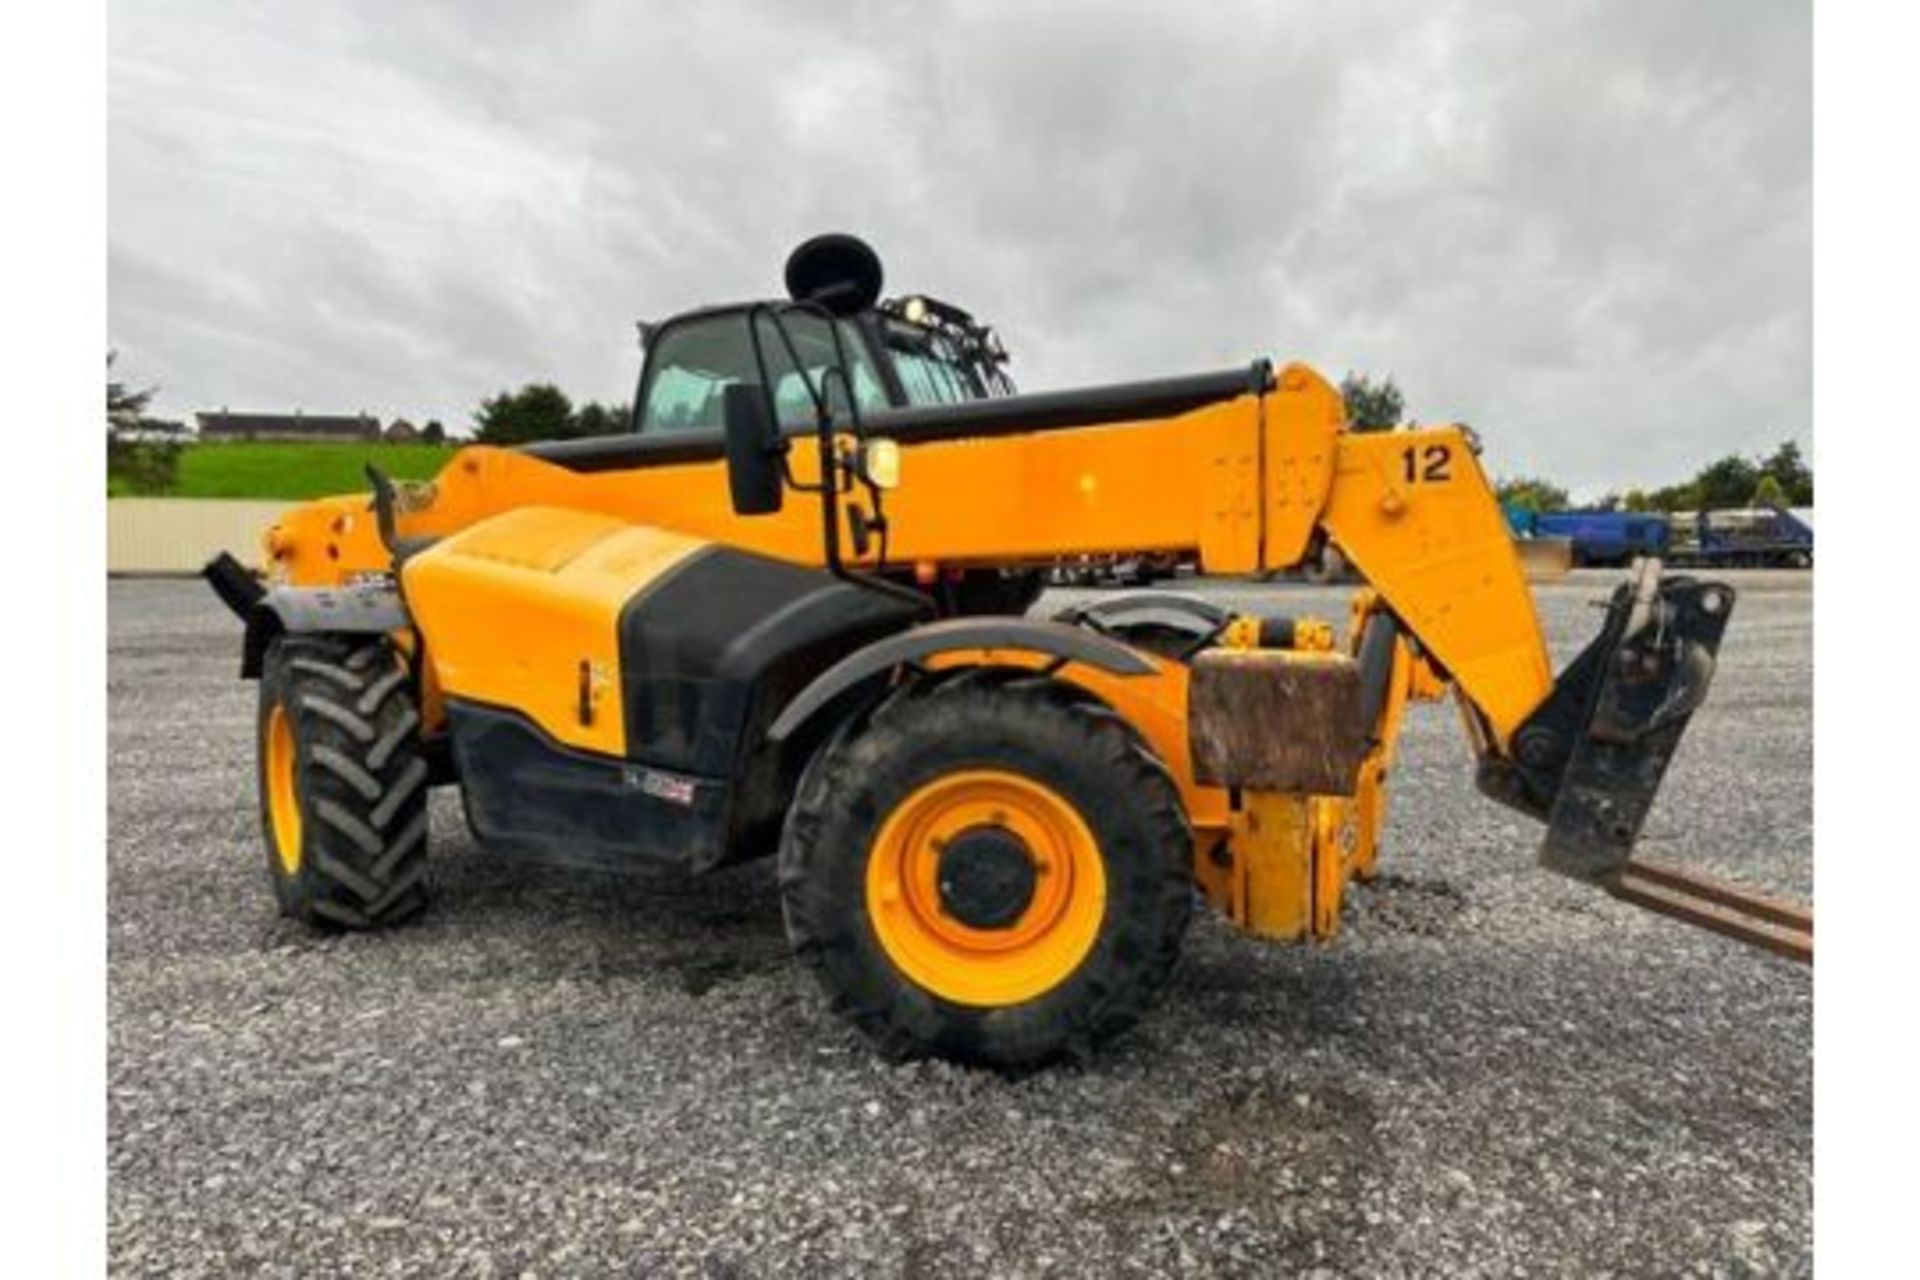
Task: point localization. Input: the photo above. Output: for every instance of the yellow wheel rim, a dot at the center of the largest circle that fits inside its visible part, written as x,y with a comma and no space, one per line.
1049,932
283,802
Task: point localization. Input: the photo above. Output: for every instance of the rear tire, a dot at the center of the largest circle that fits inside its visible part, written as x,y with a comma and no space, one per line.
343,782
1005,984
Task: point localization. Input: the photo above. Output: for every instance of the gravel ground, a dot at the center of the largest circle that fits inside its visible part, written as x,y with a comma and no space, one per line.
1491,1072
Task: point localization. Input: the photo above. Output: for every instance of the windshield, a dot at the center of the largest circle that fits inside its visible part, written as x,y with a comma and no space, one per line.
694,361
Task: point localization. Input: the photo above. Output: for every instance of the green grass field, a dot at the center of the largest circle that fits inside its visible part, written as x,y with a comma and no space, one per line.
282,470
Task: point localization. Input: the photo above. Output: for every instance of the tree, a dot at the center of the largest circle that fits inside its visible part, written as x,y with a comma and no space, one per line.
1675,497
1531,494
1794,475
1726,483
1372,406
1734,481
595,419
124,408
1636,500
537,411
139,462
1769,492
433,432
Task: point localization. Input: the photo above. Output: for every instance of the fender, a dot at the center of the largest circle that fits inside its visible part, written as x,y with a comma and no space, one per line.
1068,643
361,608
1175,610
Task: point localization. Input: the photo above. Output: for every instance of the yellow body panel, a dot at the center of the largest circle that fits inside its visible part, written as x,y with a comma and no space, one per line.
1305,420
522,610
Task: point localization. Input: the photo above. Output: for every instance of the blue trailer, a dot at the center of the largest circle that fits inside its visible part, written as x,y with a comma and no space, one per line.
1758,537
1608,538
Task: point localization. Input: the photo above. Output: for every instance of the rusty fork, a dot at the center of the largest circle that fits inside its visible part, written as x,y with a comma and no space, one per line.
1780,927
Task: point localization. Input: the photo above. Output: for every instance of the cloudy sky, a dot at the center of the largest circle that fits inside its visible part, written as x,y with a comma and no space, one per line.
1584,228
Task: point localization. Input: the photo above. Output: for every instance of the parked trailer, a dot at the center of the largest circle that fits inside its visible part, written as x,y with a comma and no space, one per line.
1752,537
1607,538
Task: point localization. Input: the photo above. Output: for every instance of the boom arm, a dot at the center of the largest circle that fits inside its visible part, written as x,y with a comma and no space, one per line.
1413,513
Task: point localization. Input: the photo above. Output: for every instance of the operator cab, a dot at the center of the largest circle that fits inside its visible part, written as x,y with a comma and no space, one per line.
901,353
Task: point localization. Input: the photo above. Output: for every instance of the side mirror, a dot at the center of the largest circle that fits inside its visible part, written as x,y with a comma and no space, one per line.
753,450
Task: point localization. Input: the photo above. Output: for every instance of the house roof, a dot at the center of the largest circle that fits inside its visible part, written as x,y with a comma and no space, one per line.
353,426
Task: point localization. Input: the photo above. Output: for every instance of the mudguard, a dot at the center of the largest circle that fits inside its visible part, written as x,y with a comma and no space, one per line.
370,607
1068,643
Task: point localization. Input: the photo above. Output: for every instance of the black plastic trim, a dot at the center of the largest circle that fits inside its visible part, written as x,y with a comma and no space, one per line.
1063,410
237,588
712,648
620,453
529,795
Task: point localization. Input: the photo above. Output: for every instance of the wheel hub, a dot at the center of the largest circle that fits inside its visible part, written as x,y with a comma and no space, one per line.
986,877
985,887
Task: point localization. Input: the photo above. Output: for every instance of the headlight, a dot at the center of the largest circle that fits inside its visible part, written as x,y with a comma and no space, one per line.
880,463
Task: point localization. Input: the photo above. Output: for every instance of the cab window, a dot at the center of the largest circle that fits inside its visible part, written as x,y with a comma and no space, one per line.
931,370
694,362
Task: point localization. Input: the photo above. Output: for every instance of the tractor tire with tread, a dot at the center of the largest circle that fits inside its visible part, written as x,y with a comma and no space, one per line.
1039,729
346,835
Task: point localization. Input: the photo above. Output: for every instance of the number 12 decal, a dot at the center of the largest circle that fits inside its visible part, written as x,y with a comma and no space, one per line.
1435,462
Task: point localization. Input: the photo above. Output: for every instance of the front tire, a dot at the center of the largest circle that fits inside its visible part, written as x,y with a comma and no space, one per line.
343,782
991,868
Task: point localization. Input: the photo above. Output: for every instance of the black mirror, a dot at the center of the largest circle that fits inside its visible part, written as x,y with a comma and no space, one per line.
753,450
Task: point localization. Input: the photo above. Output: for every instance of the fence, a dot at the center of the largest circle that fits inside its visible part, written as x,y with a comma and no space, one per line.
178,535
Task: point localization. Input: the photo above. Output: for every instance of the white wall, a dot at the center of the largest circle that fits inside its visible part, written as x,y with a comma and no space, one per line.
178,535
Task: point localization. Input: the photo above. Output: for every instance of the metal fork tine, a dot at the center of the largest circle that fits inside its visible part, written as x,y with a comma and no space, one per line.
1712,904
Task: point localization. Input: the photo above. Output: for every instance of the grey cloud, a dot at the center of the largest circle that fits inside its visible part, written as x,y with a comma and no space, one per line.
1585,228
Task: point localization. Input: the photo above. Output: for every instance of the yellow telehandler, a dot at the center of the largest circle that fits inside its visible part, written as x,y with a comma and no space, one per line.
788,611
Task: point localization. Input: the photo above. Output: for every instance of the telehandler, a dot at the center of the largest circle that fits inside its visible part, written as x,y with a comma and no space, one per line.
788,611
